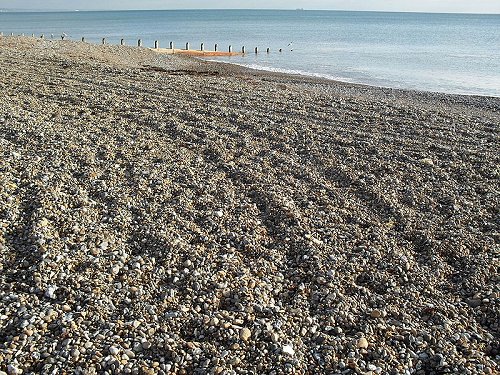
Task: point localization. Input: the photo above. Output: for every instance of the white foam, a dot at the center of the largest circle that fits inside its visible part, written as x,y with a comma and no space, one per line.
288,71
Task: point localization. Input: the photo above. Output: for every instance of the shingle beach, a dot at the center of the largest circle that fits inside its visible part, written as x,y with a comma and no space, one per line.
161,214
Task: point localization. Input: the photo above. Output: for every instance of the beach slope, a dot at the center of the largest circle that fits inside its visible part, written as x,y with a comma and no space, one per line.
161,214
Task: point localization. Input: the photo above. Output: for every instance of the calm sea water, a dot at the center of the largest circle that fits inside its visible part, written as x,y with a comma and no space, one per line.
454,53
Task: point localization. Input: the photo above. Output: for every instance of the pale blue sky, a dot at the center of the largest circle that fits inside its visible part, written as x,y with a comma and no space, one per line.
472,6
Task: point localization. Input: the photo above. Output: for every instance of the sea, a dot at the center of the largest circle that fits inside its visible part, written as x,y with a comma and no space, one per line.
450,53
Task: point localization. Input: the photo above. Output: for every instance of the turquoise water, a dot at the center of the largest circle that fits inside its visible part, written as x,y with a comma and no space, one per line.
454,53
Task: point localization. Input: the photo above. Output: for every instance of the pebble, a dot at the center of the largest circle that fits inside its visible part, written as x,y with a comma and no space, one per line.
13,370
113,350
50,292
245,334
427,161
362,343
474,303
288,349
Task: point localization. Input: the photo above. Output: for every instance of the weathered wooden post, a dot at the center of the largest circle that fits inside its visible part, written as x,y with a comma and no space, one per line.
122,42
202,47
103,41
83,39
281,50
171,45
243,50
139,43
267,50
256,50
215,47
230,49
42,36
187,46
156,44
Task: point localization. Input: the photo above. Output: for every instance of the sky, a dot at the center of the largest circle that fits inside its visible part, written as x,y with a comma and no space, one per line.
461,6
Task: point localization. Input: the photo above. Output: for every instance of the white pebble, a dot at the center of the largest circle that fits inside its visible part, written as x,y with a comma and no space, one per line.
113,350
288,349
51,292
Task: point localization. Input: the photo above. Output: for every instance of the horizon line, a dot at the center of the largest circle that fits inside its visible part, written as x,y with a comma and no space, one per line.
14,10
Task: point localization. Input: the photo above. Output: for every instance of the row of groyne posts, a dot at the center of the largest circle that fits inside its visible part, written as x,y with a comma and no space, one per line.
157,44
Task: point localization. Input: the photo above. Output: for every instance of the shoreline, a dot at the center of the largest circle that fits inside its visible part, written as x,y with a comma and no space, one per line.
206,55
162,214
328,77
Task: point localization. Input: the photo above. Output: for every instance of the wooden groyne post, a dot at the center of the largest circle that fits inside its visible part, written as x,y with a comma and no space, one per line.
202,46
187,46
268,50
139,43
215,47
230,49
172,45
243,50
103,41
157,45
256,50
122,42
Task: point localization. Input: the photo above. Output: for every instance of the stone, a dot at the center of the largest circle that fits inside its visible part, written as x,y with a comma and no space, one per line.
427,161
288,349
362,343
43,222
245,334
214,321
113,350
474,303
376,313
51,292
129,353
13,370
